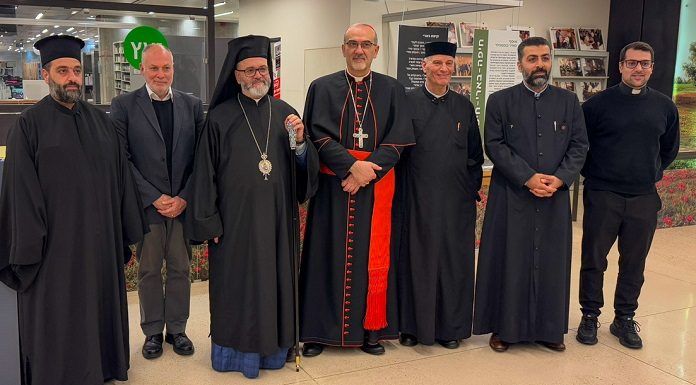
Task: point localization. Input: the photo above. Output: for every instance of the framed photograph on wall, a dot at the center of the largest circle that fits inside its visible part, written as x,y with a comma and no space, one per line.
591,39
451,30
462,65
587,89
593,66
461,87
466,33
570,86
525,32
564,38
569,66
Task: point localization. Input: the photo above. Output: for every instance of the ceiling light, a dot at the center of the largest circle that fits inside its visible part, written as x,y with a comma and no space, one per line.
44,31
69,29
52,33
219,4
150,13
32,38
38,35
56,26
96,35
224,13
74,12
82,30
40,15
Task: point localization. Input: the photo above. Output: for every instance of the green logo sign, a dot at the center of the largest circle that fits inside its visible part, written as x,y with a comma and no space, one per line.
136,41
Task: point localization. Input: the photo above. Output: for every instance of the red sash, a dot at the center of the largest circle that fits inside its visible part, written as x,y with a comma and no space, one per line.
380,237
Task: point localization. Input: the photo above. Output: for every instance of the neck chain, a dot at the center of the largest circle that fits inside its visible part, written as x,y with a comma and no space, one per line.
360,135
265,165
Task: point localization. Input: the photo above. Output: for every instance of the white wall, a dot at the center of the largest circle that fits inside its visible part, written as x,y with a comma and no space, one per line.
301,25
310,24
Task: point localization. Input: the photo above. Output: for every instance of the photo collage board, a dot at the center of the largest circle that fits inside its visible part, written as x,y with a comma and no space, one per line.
580,60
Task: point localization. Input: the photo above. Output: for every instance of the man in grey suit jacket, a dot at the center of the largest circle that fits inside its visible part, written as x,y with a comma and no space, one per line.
158,127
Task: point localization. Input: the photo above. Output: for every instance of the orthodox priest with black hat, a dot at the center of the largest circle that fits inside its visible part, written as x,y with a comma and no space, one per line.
242,203
68,206
359,122
534,134
437,187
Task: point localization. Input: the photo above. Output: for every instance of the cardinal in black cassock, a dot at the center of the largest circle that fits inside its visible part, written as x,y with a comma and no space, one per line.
534,134
437,188
242,204
348,280
67,207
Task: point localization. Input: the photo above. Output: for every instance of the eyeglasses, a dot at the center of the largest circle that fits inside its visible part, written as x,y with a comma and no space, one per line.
352,44
250,72
631,64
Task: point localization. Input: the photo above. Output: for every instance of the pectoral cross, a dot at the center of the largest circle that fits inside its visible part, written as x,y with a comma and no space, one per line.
360,135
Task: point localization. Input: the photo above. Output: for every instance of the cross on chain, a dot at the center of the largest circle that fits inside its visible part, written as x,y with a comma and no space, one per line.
360,135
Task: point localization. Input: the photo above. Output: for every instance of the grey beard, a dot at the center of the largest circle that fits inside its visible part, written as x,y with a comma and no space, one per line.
257,92
62,95
536,81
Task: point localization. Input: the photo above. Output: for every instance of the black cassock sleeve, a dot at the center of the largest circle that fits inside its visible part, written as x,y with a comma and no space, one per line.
202,218
22,211
133,222
576,152
504,158
319,125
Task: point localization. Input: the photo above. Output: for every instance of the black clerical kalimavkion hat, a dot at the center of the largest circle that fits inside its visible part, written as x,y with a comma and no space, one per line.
440,48
237,50
54,47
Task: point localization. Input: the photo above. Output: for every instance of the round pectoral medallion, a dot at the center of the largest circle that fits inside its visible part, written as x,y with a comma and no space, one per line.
265,166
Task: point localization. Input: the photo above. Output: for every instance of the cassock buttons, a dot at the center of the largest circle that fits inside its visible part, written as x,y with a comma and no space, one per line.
541,154
538,116
538,210
539,134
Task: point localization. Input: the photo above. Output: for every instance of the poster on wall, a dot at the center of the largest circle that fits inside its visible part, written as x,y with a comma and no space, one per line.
275,54
411,52
494,66
685,79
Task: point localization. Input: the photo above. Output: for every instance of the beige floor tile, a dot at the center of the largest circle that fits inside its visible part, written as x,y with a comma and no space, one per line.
525,364
669,342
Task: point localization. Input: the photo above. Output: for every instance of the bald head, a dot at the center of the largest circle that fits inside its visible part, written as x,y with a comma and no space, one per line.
361,28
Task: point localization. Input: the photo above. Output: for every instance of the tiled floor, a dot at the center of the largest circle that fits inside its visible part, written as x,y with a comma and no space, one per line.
667,315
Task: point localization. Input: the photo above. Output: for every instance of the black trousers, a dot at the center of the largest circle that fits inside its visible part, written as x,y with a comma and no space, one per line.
608,216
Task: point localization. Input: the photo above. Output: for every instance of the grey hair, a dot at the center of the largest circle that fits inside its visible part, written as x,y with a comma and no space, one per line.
152,46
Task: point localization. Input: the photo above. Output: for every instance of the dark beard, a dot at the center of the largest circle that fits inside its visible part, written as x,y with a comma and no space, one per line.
537,81
61,94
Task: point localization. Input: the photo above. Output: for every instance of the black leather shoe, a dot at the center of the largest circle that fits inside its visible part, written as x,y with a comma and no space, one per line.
451,344
152,348
408,340
374,349
311,349
627,330
587,331
182,344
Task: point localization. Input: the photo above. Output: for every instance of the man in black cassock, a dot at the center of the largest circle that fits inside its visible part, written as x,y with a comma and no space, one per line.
359,122
437,188
242,201
68,205
535,136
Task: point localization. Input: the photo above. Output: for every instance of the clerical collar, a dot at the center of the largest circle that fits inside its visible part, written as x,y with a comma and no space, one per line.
431,95
537,95
257,102
628,90
358,78
153,95
74,111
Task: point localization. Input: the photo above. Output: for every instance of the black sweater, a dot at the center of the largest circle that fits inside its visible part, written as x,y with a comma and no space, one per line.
165,117
633,138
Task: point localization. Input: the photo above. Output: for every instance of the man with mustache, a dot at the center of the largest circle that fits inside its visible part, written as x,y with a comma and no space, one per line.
437,190
359,122
242,203
634,136
158,126
68,206
535,136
